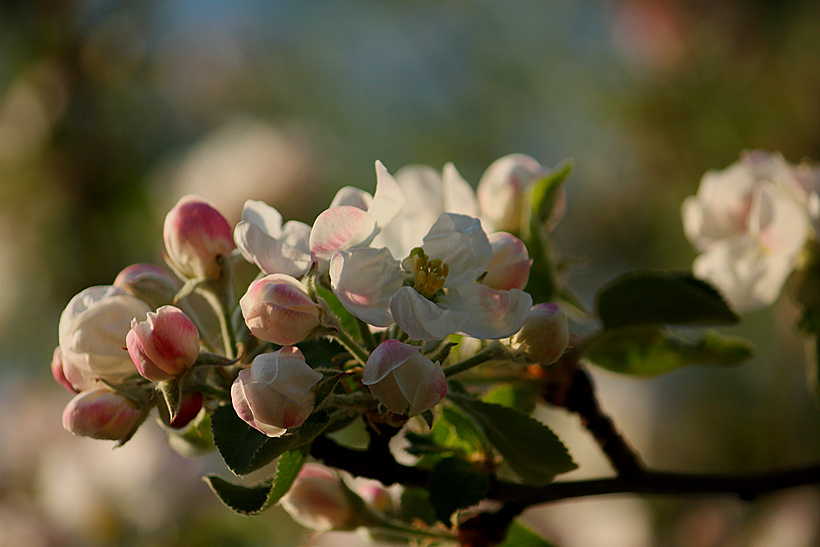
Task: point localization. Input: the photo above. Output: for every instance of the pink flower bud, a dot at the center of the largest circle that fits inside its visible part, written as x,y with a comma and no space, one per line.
277,393
102,414
502,189
278,309
58,371
165,345
510,265
319,500
197,237
149,283
402,379
92,329
544,336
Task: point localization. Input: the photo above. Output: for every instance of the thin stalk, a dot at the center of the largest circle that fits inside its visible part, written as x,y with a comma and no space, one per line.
367,336
358,352
493,351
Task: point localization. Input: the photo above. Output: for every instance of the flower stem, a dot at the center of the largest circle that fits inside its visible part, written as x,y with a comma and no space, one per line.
493,351
359,353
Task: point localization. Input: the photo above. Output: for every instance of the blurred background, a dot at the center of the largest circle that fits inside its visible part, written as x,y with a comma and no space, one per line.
112,110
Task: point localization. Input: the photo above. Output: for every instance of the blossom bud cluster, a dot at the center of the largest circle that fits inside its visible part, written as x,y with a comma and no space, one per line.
421,259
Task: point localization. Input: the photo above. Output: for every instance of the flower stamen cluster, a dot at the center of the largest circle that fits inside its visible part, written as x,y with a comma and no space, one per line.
428,275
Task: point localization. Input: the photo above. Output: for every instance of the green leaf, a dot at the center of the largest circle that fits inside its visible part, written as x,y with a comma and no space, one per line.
519,535
287,469
319,352
252,500
529,447
245,500
661,298
521,397
455,485
245,449
649,351
415,504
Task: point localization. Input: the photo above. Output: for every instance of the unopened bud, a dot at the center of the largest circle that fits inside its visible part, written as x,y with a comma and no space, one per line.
502,190
278,309
197,238
319,500
149,283
100,413
277,393
58,371
165,345
544,336
510,265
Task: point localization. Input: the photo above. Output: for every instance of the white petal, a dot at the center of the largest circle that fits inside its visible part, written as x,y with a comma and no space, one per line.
423,191
489,313
746,276
388,200
364,279
778,221
271,255
459,196
352,196
422,319
341,228
264,216
459,241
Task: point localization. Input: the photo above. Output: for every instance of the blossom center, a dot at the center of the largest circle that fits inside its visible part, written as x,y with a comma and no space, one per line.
428,275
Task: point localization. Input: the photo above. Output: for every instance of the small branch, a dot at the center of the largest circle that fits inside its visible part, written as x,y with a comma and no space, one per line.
493,351
568,385
380,465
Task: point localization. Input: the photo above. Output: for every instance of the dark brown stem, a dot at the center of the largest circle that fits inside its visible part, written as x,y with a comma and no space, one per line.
567,384
383,467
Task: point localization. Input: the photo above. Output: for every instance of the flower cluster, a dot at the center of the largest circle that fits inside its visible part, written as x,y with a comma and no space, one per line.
750,222
353,316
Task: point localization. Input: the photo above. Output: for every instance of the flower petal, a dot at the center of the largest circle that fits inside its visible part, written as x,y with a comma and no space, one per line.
341,228
459,241
459,196
288,254
422,319
489,313
388,200
260,214
352,196
364,279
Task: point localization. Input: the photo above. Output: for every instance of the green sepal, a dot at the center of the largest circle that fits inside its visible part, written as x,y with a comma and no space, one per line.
171,394
346,319
529,447
661,298
542,197
649,351
543,193
244,449
454,485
